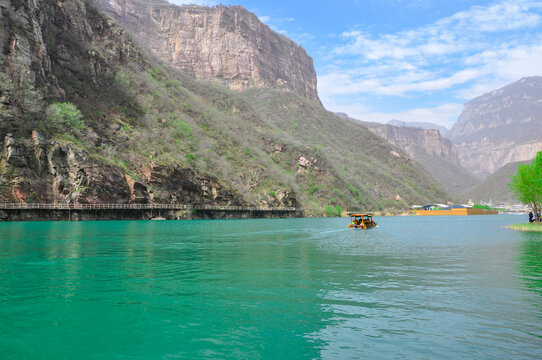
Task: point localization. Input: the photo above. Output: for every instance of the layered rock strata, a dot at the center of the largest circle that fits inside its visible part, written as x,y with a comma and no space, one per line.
436,154
38,171
36,168
229,45
415,140
500,127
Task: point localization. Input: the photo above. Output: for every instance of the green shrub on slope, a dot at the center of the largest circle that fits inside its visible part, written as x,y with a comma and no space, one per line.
63,116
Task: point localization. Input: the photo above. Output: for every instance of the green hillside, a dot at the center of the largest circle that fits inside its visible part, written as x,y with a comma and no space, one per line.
495,187
355,166
152,123
453,177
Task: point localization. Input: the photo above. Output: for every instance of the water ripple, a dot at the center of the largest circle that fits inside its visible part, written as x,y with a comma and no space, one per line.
295,288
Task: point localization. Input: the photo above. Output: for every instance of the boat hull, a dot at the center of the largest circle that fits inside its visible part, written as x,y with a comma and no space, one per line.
362,226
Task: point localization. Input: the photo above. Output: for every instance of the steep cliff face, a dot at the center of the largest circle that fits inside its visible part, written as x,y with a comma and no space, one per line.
419,124
42,41
225,44
25,67
436,154
40,171
416,140
500,127
87,117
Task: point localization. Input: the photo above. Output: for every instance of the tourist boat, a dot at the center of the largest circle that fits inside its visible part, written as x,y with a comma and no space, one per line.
361,221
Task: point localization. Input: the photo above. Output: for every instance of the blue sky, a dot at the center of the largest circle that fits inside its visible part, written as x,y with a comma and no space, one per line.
411,60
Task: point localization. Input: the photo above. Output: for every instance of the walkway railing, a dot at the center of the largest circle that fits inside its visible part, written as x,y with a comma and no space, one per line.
59,206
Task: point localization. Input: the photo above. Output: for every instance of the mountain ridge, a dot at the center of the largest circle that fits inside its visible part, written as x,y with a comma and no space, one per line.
495,187
226,44
500,127
435,153
419,124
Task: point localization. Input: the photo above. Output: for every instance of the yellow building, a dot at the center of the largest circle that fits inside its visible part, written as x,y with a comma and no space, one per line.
457,211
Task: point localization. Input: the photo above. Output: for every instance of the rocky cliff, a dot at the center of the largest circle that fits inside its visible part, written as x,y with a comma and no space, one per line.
419,124
35,170
500,127
226,44
414,140
436,154
86,116
42,41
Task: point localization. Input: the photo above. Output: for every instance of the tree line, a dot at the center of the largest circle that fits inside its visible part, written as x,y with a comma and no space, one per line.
527,183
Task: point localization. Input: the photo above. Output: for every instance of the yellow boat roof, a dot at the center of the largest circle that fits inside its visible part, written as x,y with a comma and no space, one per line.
360,215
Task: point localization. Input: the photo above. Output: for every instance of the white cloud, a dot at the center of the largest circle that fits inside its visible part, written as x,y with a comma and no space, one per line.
503,66
518,62
342,83
503,16
457,58
443,115
451,35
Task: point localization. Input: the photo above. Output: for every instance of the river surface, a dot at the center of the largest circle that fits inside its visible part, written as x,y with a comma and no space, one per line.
413,288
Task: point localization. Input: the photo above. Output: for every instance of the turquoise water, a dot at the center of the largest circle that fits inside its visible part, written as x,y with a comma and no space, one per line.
414,287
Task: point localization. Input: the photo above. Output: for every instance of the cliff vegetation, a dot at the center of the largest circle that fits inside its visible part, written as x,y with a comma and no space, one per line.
90,115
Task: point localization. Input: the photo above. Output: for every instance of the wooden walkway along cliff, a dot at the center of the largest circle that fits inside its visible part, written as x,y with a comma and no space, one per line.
60,211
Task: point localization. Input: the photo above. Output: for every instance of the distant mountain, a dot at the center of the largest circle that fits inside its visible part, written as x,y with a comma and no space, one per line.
419,124
436,154
495,187
415,140
344,115
500,127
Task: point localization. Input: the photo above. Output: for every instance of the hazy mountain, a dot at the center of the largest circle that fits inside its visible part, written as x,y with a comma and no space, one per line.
436,154
500,127
419,124
495,186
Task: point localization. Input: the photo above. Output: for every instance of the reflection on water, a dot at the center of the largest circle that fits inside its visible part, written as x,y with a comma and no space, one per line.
293,288
133,288
531,262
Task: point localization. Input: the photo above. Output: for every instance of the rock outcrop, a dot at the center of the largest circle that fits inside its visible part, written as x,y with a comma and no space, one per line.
419,124
34,170
227,44
86,116
25,65
415,140
500,127
436,154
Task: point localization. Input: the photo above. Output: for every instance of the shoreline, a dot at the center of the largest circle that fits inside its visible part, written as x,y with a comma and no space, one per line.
533,227
131,214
